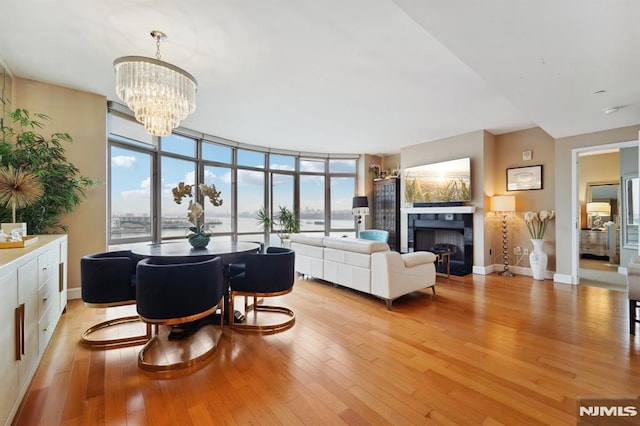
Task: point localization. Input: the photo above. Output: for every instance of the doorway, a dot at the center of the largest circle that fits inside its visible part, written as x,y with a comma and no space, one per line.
599,216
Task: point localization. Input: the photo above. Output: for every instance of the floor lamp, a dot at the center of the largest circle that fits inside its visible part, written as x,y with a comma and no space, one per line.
506,205
360,208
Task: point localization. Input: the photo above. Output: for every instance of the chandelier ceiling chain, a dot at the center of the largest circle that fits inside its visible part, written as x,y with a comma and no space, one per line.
160,94
159,36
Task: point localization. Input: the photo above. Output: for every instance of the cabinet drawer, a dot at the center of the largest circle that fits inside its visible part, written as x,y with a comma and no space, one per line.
46,326
46,297
44,267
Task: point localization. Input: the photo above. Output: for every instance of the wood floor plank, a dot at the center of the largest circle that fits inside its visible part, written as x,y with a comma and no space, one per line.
485,350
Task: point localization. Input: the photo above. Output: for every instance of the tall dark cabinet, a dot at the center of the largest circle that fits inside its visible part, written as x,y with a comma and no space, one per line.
386,209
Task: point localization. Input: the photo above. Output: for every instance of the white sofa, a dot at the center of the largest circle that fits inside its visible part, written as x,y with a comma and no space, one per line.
364,265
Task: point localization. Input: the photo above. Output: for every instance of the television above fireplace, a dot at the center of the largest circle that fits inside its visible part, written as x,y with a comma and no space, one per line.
437,184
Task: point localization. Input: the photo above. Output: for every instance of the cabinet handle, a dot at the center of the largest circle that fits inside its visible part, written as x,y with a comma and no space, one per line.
22,326
61,277
46,327
18,332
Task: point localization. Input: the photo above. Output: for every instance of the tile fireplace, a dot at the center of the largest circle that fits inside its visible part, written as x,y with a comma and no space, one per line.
441,230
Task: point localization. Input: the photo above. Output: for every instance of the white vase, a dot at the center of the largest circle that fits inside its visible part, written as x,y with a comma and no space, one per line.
538,259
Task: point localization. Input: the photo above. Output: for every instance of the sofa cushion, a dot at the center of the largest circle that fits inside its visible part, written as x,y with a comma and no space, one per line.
355,245
351,258
312,240
418,258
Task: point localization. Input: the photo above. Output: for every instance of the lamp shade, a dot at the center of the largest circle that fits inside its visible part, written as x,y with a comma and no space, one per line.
599,208
360,201
503,203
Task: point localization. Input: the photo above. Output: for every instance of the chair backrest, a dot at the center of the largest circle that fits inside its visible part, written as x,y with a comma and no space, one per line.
375,235
269,272
178,290
108,277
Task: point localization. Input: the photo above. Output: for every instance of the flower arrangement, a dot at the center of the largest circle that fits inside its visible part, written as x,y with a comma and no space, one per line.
374,168
199,236
19,188
537,222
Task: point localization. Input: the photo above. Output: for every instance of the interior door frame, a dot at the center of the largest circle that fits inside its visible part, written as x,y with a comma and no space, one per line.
575,198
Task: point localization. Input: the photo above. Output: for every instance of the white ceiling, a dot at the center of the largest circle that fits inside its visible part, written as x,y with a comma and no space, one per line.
352,76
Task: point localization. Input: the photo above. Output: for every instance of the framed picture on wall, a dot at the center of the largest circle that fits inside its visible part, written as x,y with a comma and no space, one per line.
524,178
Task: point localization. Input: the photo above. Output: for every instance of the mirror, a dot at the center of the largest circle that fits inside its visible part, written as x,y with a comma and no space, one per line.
603,192
631,216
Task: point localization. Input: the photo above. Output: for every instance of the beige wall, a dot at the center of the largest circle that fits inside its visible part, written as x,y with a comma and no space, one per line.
471,145
564,190
83,116
509,148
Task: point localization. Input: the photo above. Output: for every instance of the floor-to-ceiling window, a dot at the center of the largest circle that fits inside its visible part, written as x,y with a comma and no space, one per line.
144,170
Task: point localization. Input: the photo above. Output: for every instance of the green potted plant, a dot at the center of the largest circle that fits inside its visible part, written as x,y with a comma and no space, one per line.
283,223
64,188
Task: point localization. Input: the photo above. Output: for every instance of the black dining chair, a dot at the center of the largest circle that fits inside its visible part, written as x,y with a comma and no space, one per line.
238,268
181,293
266,274
107,280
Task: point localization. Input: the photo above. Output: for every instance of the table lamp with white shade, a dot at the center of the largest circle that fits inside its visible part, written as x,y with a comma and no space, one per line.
360,208
597,210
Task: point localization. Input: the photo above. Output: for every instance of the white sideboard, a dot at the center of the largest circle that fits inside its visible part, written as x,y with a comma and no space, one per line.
33,295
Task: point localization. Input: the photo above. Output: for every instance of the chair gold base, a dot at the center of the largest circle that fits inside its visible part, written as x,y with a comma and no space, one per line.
117,342
258,307
163,355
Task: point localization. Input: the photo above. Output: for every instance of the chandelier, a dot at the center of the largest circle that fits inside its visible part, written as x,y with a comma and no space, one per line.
160,94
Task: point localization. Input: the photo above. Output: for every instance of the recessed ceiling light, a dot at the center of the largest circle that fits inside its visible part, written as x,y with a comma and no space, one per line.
610,110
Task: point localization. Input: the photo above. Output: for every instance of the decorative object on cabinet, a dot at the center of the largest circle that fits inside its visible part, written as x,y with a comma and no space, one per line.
18,189
64,187
375,168
524,178
26,241
505,205
386,209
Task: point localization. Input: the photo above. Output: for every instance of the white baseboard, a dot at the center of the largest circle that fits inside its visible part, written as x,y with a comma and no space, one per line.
74,293
483,270
564,279
520,270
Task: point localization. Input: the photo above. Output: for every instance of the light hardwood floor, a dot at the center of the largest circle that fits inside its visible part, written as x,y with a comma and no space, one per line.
484,350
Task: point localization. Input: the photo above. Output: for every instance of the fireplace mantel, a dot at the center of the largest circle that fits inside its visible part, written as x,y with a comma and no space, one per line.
443,209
